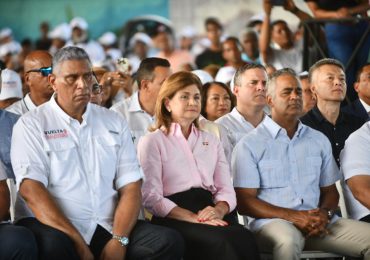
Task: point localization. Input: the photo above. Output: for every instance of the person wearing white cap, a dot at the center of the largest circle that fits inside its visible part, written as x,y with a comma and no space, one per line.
11,88
249,89
59,36
37,67
204,76
140,45
109,41
81,39
8,46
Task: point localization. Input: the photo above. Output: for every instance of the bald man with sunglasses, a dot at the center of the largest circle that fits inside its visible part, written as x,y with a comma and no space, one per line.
37,67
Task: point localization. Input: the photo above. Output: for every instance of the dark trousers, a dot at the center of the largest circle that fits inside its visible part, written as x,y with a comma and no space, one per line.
366,219
147,241
17,243
232,242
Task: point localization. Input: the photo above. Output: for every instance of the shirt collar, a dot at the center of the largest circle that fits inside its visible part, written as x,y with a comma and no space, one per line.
274,129
175,130
135,104
316,112
28,102
64,115
366,106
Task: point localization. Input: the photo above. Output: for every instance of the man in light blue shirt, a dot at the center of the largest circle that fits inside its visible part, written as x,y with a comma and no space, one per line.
284,176
355,167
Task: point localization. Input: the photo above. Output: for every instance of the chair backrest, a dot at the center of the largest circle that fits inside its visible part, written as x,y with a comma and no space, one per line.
13,196
342,202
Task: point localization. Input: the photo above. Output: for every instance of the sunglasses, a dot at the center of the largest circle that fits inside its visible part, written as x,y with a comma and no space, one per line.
45,71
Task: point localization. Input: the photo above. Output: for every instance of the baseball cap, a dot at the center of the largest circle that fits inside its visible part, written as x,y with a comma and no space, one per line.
142,37
61,31
79,22
108,39
11,85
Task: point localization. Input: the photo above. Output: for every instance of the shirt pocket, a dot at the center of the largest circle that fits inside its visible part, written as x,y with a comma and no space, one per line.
63,161
108,148
313,166
272,174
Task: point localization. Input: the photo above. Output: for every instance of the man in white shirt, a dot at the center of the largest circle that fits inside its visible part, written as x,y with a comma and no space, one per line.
138,110
76,169
361,106
249,89
355,162
37,67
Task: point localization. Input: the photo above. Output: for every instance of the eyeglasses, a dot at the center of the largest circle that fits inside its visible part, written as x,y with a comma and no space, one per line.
96,89
45,71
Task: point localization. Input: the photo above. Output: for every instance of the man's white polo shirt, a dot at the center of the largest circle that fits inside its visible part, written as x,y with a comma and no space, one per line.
138,120
22,106
81,165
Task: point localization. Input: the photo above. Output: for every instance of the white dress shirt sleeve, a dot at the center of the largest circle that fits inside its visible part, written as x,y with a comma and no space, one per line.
28,156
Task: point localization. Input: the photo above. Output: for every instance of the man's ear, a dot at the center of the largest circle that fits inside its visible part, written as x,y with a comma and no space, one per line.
51,80
356,86
269,101
236,90
144,84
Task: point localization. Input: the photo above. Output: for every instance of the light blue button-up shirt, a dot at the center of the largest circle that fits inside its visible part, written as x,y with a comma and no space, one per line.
287,172
7,121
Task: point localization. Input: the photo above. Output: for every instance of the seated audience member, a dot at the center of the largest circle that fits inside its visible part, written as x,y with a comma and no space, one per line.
59,36
286,53
80,38
138,110
16,242
213,54
309,99
187,180
217,100
139,46
328,84
179,59
37,67
249,89
232,53
284,177
343,36
78,175
355,166
11,88
361,106
249,41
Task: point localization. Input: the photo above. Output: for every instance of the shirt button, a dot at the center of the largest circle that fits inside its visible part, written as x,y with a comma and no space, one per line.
336,144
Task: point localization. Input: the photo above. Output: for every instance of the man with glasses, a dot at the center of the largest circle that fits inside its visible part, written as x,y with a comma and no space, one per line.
77,171
37,67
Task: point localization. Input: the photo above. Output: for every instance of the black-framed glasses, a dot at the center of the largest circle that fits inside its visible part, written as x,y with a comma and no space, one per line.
96,89
45,71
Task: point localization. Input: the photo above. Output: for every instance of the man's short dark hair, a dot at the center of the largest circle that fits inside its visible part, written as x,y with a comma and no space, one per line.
277,22
147,67
235,41
359,71
244,68
322,62
214,21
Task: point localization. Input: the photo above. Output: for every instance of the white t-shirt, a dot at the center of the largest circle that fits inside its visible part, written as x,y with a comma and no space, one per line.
292,58
81,165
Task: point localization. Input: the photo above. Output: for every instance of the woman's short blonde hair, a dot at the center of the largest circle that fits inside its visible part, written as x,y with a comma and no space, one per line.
170,87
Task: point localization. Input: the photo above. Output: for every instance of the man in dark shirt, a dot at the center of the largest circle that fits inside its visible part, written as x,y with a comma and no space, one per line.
213,54
328,83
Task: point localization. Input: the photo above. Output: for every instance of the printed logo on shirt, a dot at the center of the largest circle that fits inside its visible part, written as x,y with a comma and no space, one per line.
56,133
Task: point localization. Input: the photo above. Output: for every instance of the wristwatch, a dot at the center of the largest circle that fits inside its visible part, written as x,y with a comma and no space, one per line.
123,240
